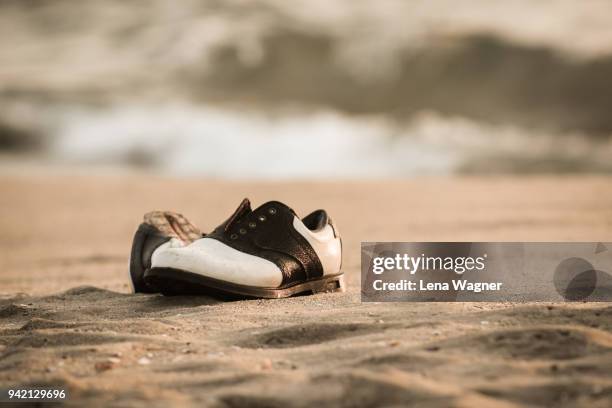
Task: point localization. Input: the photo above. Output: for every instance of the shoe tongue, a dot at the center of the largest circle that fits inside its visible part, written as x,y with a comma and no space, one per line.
243,209
278,205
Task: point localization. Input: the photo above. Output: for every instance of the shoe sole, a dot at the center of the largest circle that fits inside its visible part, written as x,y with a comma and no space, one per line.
158,227
175,281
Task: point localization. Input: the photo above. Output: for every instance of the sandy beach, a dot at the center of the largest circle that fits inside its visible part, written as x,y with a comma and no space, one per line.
67,319
411,121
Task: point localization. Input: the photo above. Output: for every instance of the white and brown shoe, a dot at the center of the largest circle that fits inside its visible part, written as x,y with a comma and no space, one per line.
268,252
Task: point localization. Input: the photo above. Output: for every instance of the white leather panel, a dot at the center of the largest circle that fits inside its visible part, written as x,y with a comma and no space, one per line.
212,258
327,247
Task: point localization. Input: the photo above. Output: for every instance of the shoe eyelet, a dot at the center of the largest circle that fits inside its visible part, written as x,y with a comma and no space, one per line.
242,231
252,224
272,211
261,218
233,236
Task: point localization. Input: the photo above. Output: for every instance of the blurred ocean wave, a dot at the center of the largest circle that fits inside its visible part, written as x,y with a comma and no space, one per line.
276,89
324,144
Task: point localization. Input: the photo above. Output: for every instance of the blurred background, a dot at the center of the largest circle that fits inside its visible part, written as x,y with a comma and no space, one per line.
324,89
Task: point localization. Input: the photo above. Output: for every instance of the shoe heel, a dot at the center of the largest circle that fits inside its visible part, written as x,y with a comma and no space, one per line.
333,284
146,239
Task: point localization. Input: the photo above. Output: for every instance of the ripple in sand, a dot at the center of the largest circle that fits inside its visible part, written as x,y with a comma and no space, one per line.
539,343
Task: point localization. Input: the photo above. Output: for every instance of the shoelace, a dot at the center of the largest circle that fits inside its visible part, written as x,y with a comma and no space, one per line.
242,211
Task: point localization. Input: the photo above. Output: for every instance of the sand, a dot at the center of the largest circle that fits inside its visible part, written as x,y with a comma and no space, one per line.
67,319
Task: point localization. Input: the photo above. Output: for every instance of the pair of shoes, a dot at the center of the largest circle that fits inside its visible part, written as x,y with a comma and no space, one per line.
268,252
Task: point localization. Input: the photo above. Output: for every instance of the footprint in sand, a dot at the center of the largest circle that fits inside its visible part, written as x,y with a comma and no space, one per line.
304,335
